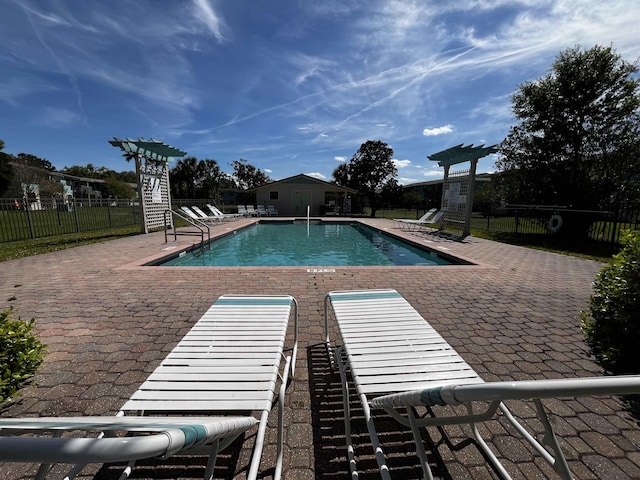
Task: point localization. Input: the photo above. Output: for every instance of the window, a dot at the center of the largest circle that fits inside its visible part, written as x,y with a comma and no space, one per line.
273,195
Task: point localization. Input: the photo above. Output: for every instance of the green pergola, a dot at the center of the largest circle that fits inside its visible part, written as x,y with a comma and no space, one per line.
150,149
155,155
460,154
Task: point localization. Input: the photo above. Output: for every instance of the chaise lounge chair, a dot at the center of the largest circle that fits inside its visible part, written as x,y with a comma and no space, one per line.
272,210
242,210
251,211
205,217
232,360
432,216
262,211
198,218
224,216
399,363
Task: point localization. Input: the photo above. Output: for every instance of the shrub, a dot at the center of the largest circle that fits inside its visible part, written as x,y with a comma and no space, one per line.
612,324
21,353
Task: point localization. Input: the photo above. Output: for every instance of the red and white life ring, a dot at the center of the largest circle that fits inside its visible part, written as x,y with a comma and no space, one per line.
555,223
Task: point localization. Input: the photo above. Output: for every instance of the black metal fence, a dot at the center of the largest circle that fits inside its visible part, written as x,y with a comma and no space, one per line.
604,226
20,220
25,220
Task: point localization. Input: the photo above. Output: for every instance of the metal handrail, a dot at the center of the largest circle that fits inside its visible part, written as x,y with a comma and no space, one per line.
201,226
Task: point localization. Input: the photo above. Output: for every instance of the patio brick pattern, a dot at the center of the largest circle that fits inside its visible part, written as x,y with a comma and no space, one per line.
108,322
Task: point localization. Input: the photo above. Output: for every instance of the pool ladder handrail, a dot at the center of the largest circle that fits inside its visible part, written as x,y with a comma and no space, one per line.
201,226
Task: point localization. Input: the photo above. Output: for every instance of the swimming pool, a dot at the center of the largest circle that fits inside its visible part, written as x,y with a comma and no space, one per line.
297,243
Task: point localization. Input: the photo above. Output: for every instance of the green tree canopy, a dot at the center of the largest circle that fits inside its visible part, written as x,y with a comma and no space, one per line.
90,171
248,176
577,142
31,176
118,188
7,172
193,178
371,172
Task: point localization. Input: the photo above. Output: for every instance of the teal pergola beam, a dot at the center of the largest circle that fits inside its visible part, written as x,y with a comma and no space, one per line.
151,149
460,154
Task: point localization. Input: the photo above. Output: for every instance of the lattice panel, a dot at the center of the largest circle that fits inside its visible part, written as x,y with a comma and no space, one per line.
155,187
456,190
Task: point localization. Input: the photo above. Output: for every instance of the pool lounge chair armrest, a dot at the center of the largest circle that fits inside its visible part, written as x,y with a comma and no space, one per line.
516,390
167,436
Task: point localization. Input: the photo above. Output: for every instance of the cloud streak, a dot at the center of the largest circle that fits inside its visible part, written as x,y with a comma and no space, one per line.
294,80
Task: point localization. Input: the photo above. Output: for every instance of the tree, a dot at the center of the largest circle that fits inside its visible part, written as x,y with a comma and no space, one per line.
193,178
577,143
412,198
248,176
371,172
117,188
183,178
212,180
7,172
31,173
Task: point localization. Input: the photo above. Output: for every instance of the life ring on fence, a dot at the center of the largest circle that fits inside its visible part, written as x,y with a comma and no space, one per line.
555,223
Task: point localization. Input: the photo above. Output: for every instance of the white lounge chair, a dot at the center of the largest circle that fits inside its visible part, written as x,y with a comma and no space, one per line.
242,210
398,363
225,216
251,211
232,360
197,218
262,211
272,210
430,217
205,217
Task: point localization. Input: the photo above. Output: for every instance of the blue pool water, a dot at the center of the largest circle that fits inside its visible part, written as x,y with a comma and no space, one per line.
299,244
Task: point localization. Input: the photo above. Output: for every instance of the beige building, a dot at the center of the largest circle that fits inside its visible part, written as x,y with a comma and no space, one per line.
292,195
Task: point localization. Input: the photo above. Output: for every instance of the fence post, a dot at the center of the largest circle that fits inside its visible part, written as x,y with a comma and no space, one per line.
32,234
75,215
109,212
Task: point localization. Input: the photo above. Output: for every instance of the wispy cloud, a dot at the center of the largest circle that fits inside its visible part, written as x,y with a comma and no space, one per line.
284,79
317,175
401,163
432,132
59,118
206,14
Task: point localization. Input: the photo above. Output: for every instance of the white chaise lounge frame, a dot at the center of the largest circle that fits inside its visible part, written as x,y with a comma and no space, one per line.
232,360
399,362
430,217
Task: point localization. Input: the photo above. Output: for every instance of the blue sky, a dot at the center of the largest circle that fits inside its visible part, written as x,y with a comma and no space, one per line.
291,86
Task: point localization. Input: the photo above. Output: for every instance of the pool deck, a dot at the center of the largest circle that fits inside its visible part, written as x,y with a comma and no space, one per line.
109,321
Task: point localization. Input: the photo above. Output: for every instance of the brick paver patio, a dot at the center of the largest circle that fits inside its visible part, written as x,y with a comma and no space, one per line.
109,321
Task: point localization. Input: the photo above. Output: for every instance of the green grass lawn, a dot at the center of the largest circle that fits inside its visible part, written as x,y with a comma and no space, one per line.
27,248
531,234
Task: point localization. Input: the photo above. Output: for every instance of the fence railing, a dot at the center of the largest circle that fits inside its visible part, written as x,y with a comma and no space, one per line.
605,227
25,220
602,226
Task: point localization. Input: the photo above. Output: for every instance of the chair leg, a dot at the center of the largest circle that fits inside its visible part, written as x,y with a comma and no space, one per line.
257,449
373,435
283,388
211,461
485,448
417,439
560,464
347,414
